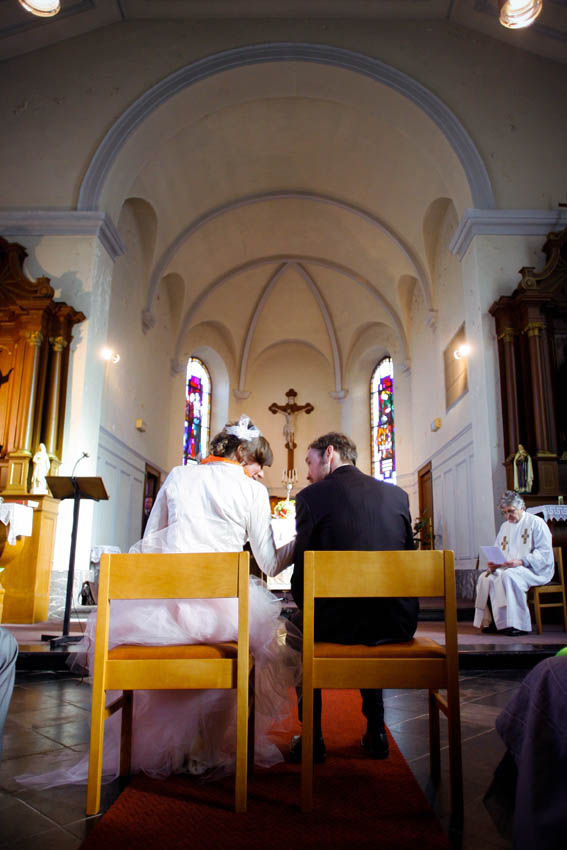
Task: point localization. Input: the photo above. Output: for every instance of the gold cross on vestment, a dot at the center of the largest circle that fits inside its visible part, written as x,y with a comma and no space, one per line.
504,543
525,535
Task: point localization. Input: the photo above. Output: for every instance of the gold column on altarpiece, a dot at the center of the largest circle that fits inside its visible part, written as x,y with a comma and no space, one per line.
19,458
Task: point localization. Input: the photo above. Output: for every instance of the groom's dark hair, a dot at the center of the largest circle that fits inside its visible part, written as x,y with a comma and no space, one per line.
341,444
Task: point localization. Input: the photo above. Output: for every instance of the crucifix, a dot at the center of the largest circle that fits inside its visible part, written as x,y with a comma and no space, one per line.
504,543
290,410
525,535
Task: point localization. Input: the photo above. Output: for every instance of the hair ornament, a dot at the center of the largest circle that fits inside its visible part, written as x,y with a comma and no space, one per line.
242,431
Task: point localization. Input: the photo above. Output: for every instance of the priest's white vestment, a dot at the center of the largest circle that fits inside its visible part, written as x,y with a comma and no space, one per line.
528,540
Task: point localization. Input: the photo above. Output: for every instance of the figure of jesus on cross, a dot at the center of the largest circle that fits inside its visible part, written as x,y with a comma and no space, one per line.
290,410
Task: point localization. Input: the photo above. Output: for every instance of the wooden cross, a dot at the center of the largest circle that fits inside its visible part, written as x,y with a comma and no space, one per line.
290,410
525,535
504,543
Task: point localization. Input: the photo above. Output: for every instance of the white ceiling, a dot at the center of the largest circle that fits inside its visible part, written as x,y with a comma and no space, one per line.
21,32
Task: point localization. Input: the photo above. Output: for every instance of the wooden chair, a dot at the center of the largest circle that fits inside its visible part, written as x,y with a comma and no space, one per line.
555,588
418,663
192,666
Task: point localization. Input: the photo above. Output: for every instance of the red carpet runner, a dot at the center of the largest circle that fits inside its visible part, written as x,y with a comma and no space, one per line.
358,802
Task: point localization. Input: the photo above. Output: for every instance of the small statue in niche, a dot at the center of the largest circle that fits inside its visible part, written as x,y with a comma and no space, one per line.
41,464
523,471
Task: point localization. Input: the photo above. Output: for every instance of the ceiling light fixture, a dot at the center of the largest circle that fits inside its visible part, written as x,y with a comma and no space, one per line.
43,8
516,14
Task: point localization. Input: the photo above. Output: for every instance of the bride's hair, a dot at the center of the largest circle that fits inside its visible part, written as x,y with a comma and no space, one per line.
257,450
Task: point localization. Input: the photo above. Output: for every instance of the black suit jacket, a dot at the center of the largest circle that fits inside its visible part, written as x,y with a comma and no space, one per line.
349,510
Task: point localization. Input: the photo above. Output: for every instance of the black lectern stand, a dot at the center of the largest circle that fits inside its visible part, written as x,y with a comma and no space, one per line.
77,489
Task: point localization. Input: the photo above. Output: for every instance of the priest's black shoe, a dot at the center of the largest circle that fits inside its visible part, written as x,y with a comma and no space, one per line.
376,744
489,630
319,750
511,632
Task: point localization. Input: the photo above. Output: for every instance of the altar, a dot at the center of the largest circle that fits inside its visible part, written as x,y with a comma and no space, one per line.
16,524
284,531
27,562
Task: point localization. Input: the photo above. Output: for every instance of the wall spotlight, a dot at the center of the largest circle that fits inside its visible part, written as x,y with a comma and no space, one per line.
462,351
109,355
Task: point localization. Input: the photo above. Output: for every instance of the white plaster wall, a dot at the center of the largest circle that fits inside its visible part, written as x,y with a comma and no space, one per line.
118,522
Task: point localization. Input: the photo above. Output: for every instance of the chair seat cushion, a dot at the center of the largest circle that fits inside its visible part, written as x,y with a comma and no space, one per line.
189,650
415,648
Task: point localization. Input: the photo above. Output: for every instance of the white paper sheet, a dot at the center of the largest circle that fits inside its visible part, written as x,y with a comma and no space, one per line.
493,554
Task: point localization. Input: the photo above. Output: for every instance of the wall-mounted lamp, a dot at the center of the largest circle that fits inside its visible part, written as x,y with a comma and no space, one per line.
140,425
436,424
462,351
111,356
516,14
42,8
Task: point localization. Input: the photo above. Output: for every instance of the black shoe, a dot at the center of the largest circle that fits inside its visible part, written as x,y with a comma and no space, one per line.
376,744
319,750
489,630
511,632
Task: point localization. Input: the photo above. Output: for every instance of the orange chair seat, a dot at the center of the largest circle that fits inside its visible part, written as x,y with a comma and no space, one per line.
415,648
190,650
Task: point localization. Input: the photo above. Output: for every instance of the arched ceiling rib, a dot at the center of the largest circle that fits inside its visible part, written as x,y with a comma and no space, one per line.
138,113
167,257
282,263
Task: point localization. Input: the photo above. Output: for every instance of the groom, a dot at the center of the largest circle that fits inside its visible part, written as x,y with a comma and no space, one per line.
344,509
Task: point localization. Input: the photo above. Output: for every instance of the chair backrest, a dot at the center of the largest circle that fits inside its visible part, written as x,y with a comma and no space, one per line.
209,575
422,573
206,575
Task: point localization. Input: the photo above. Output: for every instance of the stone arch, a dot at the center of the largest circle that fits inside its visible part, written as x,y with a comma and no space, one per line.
447,122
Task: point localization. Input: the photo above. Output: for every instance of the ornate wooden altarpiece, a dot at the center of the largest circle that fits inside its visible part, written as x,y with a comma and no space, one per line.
531,325
35,338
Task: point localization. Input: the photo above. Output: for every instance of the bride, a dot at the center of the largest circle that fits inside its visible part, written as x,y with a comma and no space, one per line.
215,506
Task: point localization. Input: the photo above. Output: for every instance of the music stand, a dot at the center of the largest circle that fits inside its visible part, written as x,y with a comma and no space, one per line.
72,488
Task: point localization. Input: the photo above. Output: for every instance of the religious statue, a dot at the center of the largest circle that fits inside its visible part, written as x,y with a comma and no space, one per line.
41,464
523,471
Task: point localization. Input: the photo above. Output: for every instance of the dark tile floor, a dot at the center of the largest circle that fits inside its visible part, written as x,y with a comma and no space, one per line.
48,721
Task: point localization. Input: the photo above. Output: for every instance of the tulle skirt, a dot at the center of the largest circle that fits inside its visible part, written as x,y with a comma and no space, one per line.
191,731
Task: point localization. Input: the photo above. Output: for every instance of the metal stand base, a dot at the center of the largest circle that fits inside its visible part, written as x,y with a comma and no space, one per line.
62,640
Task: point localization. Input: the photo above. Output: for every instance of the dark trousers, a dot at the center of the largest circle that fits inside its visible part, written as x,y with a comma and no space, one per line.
372,700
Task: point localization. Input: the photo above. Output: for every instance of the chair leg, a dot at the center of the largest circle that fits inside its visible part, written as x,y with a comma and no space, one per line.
126,733
242,719
537,610
307,749
564,609
434,738
95,750
455,754
251,719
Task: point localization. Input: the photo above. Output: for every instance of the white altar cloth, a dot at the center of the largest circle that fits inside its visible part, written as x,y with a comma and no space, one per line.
557,512
19,518
284,530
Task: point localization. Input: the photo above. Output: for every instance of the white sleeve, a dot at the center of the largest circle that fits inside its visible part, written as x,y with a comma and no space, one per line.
541,559
270,560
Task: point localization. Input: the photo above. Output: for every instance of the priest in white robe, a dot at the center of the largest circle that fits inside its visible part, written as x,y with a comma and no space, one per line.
525,540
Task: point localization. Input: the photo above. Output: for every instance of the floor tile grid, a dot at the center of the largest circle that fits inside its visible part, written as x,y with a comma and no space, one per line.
55,817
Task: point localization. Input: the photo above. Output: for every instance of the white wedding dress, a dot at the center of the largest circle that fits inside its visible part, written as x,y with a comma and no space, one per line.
213,507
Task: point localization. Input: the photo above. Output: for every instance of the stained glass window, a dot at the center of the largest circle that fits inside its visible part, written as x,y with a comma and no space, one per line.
382,421
197,411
